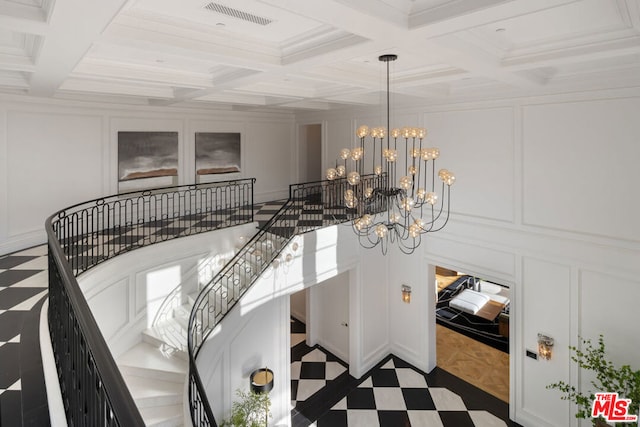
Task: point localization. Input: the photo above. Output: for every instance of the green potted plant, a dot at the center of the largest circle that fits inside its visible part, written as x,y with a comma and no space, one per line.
250,410
608,378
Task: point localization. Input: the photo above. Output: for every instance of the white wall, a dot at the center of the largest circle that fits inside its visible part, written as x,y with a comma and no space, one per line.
57,153
546,202
256,332
298,304
309,153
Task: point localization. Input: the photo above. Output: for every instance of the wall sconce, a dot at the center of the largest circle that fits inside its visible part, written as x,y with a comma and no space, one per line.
261,380
406,294
545,347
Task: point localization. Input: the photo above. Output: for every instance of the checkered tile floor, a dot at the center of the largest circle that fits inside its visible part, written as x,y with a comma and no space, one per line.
313,372
98,246
393,394
23,287
396,394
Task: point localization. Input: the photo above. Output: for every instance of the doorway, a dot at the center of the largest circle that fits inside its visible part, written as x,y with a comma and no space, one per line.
319,360
472,330
310,153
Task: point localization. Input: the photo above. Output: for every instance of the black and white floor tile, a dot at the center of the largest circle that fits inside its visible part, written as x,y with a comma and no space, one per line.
396,394
313,372
23,288
324,394
392,394
298,331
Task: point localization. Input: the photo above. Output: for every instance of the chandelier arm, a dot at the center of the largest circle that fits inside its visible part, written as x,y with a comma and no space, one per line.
408,250
448,210
435,218
368,235
384,245
373,155
413,165
370,245
433,176
381,150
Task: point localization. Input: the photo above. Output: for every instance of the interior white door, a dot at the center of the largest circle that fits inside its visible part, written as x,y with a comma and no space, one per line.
329,323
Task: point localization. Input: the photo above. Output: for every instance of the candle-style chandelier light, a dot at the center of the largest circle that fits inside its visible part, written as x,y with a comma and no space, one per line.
386,208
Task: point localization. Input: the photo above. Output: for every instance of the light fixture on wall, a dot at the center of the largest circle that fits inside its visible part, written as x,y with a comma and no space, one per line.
406,294
545,346
261,380
387,209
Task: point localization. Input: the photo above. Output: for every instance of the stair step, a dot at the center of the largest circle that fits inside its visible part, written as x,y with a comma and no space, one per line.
210,269
163,416
171,332
148,392
146,360
191,298
181,315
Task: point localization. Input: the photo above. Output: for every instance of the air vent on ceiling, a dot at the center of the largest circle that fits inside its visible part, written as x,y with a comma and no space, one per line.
235,13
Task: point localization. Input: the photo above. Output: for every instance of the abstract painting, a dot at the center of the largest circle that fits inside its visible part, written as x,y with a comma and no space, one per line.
147,155
217,153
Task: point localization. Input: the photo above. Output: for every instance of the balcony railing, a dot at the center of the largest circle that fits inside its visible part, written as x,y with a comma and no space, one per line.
310,206
87,234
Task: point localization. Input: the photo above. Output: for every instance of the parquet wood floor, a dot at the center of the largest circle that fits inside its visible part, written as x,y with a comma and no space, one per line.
475,362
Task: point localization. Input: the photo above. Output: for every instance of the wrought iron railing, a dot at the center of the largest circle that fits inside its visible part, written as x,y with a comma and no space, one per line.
84,235
174,334
310,206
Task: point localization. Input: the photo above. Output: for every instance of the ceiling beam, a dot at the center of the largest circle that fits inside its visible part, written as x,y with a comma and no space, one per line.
167,43
69,39
16,63
460,15
452,51
587,52
22,18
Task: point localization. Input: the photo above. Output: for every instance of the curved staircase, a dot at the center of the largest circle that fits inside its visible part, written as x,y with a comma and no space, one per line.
156,369
156,381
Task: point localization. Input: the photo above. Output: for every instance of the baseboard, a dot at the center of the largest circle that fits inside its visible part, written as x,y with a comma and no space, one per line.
334,350
408,355
23,241
368,362
269,196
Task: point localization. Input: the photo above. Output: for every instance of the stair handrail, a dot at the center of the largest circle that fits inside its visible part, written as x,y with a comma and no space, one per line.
174,298
200,408
93,390
330,193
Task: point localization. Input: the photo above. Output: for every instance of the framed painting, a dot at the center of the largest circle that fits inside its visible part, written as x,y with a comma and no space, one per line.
147,160
217,153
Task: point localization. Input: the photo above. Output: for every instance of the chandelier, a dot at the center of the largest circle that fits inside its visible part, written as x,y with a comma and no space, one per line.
388,209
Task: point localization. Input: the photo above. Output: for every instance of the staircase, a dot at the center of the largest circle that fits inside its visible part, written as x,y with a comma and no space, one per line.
157,383
155,370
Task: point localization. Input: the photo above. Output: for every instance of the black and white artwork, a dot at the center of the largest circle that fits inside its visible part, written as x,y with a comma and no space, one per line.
147,155
147,160
217,153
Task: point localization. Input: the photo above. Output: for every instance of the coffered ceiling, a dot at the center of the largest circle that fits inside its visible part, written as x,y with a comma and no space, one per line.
314,54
